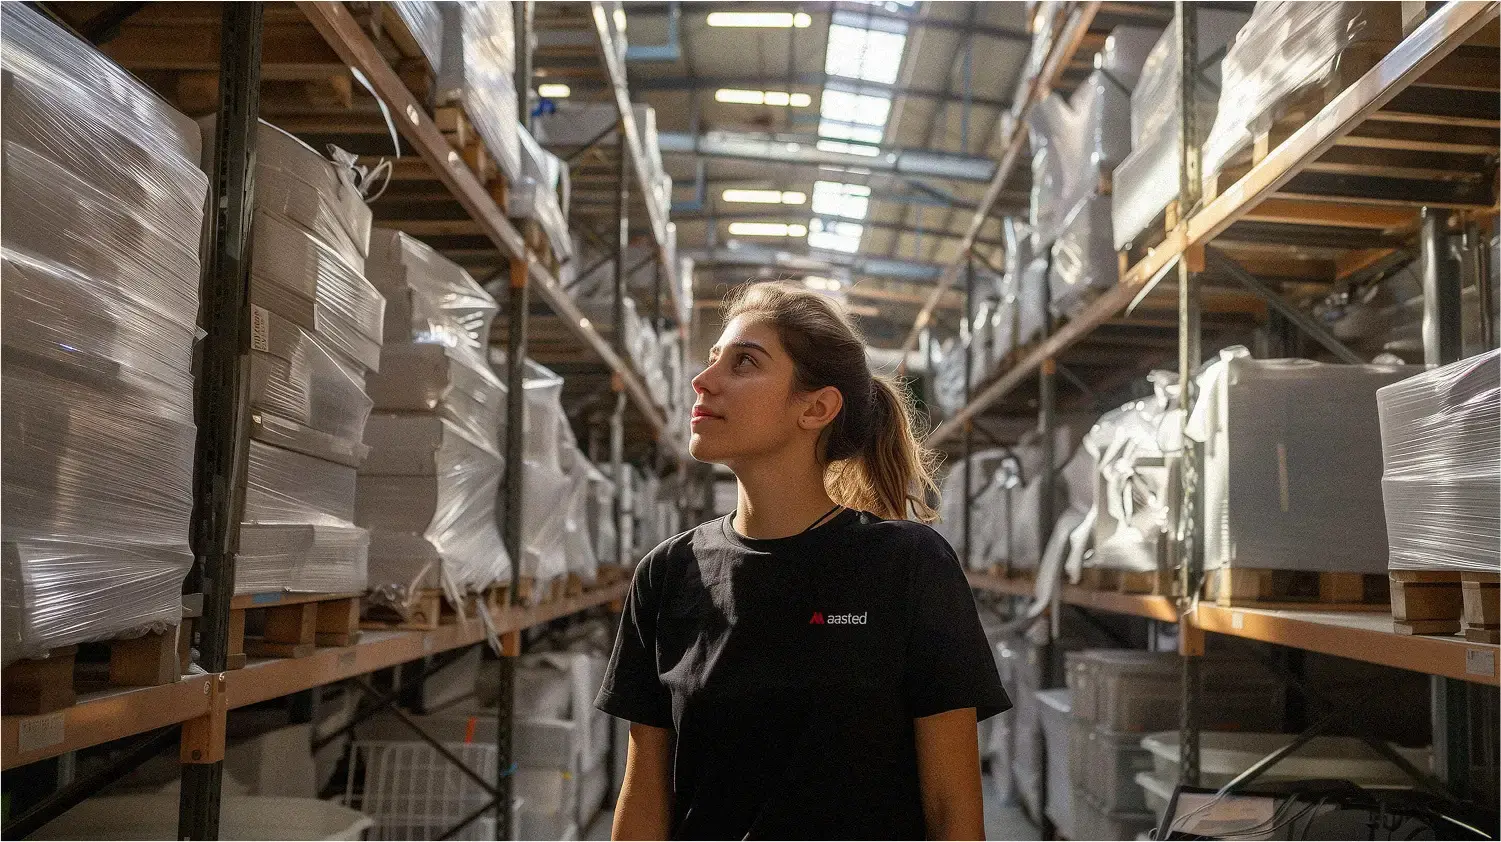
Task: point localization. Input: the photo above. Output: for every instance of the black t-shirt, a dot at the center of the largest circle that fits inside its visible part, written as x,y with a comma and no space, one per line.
790,670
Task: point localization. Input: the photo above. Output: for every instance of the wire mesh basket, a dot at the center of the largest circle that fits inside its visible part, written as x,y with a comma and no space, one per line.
413,792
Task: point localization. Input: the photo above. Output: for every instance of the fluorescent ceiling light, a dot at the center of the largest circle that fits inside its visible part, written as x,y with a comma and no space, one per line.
767,229
796,100
765,197
554,90
765,20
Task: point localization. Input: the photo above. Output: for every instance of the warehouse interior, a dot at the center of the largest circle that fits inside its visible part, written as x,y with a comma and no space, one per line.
348,352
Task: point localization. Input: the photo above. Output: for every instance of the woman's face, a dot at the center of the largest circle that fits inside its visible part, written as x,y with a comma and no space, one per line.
747,405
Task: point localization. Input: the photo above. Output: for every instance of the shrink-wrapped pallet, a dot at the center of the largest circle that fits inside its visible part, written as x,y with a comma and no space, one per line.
430,300
1147,179
1286,51
1084,258
1292,461
1441,478
99,266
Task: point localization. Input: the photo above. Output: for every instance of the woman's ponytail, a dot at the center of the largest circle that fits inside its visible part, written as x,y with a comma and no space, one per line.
875,459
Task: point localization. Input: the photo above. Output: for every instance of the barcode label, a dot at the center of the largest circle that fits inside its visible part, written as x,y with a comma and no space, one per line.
260,329
39,732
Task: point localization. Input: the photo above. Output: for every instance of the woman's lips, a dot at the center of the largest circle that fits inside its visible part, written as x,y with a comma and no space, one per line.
701,414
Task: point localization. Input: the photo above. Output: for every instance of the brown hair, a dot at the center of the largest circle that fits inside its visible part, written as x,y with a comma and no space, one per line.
873,456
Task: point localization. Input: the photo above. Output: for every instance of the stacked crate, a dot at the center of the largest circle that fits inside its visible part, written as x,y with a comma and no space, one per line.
428,490
103,213
315,333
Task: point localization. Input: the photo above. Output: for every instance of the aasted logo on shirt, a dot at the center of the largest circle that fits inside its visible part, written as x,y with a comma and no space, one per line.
820,619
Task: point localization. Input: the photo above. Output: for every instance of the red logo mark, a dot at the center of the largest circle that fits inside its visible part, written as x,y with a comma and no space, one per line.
817,618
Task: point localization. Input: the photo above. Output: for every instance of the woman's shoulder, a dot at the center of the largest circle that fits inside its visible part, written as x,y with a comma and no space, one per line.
920,542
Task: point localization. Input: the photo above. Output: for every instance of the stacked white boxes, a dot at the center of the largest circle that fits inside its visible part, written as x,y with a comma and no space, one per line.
1292,461
316,331
1148,178
428,490
103,211
541,194
1441,481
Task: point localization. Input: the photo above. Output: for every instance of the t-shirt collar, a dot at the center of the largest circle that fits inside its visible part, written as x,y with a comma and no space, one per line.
834,524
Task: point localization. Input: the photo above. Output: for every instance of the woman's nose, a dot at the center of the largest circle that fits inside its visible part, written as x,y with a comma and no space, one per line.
701,383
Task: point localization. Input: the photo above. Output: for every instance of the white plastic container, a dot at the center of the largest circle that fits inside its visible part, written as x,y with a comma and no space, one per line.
1054,705
154,816
1157,792
1112,761
1224,755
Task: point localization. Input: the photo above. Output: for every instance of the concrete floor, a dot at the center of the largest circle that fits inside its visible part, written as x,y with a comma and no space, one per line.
1002,821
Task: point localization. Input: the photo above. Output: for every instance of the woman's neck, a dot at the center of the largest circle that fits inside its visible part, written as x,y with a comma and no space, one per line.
775,502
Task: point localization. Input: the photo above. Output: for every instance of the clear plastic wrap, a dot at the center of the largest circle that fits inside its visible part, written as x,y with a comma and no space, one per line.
442,380
429,298
282,486
1441,482
1284,51
427,493
297,378
424,19
1057,139
294,181
535,194
544,419
1130,514
301,557
296,275
1292,461
544,522
103,212
1148,178
489,89
1084,258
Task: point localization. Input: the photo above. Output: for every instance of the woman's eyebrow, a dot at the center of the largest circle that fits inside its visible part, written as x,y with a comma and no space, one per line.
751,345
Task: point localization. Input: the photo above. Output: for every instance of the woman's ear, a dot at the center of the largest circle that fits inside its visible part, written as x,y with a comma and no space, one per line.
821,409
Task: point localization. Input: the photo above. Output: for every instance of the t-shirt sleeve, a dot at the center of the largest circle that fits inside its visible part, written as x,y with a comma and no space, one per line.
633,688
949,663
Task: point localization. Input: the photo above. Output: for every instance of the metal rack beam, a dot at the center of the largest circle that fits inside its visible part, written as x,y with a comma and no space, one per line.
614,65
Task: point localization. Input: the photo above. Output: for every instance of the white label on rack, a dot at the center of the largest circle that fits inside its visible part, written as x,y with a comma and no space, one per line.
1237,620
1480,661
260,329
39,732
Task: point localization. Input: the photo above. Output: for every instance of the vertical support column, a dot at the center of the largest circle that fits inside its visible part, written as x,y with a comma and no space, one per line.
967,335
617,470
514,491
522,14
623,234
1188,500
1047,396
1442,344
222,402
1476,269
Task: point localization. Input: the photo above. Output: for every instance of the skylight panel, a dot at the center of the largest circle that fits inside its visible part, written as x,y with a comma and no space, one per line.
835,236
865,54
833,198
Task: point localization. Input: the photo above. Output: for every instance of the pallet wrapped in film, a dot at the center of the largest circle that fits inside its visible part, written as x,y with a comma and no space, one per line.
99,267
1283,51
427,493
1147,180
1292,463
1084,258
1441,478
453,383
295,377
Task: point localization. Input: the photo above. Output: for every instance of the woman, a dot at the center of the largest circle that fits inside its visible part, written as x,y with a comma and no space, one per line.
811,666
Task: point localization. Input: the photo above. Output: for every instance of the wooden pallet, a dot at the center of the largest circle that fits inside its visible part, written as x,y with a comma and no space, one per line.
430,609
466,141
1251,587
1482,606
1150,237
609,574
1150,582
43,685
1426,601
290,625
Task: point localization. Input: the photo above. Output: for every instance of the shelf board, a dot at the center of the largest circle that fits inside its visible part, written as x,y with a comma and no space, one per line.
116,714
1347,634
1363,637
343,33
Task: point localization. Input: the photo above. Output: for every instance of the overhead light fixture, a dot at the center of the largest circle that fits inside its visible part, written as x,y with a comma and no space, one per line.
768,229
821,283
765,197
554,90
744,97
761,20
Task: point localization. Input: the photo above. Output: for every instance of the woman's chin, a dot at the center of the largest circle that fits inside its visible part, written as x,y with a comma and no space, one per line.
704,448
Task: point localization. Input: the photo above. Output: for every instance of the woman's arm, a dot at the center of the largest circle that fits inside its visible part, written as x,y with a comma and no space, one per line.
644,809
948,768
